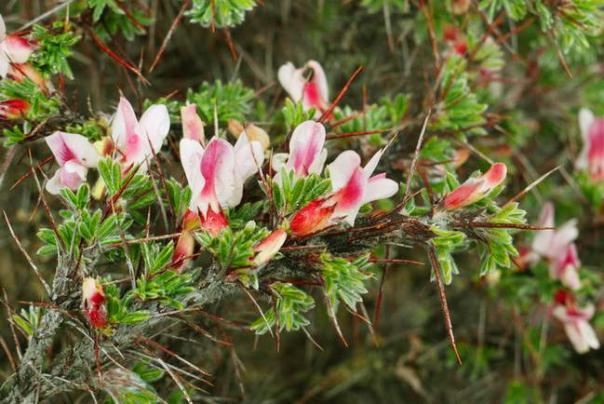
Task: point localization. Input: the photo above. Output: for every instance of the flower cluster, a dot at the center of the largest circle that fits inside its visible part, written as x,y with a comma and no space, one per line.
557,247
351,184
216,171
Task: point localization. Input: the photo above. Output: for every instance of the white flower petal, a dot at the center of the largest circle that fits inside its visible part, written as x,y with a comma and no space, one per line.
292,80
156,124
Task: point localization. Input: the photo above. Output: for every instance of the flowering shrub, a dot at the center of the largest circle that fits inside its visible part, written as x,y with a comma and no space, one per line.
177,217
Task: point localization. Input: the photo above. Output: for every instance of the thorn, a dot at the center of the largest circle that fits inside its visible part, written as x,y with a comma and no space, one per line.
343,91
175,23
418,148
532,185
443,300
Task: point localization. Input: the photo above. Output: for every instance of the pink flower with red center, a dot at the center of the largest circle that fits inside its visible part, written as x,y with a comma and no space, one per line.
75,155
216,175
352,187
138,141
267,248
93,303
13,109
307,84
307,153
475,188
557,247
591,158
13,49
576,324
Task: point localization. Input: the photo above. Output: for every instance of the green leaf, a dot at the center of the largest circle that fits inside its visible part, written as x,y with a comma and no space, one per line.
111,173
290,304
229,101
148,372
344,281
134,317
219,13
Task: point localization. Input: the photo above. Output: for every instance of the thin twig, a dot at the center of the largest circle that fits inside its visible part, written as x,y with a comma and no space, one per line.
27,256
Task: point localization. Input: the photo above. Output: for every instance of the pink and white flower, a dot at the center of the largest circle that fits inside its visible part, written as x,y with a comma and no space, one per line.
475,188
307,153
557,247
566,267
216,175
138,141
307,84
352,187
576,325
75,155
592,155
13,49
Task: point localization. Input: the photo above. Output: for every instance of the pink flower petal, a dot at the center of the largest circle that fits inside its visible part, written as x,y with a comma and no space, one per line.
292,80
350,198
192,126
17,49
319,80
595,151
218,170
156,124
380,187
72,147
191,154
249,157
343,168
306,147
124,124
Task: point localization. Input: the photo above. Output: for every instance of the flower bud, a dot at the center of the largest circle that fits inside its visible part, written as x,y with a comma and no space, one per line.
267,248
311,218
474,189
13,109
